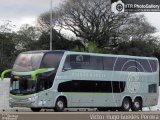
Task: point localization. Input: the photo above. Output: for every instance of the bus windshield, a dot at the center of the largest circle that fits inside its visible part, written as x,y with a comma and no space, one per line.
27,62
22,86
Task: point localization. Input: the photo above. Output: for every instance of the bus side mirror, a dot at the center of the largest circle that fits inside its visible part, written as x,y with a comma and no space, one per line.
6,73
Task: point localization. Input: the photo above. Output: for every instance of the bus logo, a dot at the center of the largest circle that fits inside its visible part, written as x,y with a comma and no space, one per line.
133,84
79,58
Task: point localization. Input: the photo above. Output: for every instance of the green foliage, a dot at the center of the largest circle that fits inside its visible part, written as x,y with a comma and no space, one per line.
137,48
58,42
95,27
7,50
91,47
77,49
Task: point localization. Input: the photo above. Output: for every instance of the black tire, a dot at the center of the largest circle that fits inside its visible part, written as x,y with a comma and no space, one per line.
36,109
136,105
126,104
60,105
102,109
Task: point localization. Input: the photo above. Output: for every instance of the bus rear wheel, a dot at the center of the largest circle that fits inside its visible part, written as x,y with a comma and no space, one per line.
137,105
36,109
126,104
60,105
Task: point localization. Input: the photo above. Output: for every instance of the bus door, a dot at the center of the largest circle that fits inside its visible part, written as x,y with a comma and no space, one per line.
45,80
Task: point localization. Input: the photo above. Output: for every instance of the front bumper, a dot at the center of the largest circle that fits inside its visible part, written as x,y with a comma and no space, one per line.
19,103
22,102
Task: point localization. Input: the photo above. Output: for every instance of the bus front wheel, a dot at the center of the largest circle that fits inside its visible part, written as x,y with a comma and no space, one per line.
137,105
60,105
126,104
36,109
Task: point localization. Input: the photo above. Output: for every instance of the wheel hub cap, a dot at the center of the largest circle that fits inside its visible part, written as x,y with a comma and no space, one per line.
136,104
60,104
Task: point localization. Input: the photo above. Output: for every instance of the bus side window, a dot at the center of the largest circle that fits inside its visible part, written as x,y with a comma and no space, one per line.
96,63
51,61
143,65
108,63
67,65
77,62
80,61
125,64
154,64
83,62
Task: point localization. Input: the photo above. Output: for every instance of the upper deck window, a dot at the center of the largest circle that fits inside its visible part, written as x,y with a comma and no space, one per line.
110,63
27,62
51,60
83,62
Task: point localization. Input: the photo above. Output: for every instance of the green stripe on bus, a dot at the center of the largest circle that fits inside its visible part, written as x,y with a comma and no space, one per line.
21,96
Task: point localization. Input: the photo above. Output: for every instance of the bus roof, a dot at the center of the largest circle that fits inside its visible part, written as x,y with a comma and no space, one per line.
42,51
86,53
112,55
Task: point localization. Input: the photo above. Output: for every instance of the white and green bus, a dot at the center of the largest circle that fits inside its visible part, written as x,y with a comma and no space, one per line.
65,79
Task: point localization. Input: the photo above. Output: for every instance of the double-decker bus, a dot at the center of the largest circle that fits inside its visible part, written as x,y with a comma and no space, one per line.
65,79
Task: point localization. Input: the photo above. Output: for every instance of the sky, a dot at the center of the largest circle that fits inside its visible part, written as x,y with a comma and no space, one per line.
26,11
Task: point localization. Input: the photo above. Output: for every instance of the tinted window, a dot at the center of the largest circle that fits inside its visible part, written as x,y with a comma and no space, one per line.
27,62
51,60
45,80
143,65
108,63
110,86
83,62
67,63
125,64
92,86
152,88
154,65
96,63
80,61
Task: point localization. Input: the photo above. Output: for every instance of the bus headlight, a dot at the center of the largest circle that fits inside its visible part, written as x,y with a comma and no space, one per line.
32,98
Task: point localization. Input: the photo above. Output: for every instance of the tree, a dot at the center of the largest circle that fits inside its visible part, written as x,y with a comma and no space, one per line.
7,45
92,21
137,48
90,47
8,51
58,42
27,36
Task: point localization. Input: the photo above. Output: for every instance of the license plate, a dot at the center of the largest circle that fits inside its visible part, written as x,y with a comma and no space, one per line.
18,104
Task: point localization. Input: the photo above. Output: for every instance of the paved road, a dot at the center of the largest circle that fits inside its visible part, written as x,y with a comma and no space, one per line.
80,115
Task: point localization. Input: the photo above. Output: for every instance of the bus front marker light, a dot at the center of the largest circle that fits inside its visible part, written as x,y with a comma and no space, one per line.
10,98
33,98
